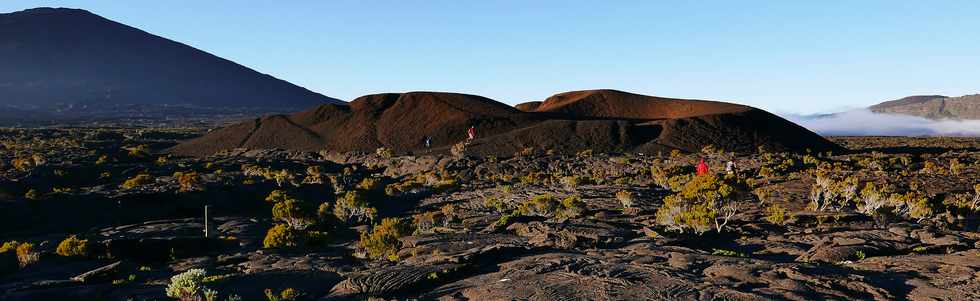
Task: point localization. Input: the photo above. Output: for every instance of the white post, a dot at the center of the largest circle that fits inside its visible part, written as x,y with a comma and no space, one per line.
209,230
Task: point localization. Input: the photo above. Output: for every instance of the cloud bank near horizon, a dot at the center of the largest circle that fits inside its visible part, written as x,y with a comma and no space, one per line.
863,122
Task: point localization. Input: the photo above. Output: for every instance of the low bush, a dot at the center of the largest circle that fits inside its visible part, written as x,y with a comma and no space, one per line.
26,254
832,193
137,181
283,236
776,214
625,198
75,247
382,242
701,203
541,205
277,196
383,152
353,207
295,213
426,222
548,206
288,294
189,181
189,286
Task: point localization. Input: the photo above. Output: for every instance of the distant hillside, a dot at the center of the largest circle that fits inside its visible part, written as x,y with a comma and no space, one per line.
933,107
73,60
600,120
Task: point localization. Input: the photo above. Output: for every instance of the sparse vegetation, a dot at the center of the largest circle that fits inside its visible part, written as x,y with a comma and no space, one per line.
582,212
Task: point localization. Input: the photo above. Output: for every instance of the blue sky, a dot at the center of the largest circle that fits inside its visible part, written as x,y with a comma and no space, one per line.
784,56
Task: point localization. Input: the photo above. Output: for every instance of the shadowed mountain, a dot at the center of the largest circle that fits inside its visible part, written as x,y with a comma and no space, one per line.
73,60
601,120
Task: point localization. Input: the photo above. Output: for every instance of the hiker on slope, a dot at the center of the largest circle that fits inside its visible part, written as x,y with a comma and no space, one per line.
471,133
702,168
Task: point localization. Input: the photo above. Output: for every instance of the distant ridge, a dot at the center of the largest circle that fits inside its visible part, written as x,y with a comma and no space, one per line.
933,107
73,59
601,120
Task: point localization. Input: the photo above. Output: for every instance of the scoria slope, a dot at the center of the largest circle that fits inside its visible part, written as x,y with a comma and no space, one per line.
600,120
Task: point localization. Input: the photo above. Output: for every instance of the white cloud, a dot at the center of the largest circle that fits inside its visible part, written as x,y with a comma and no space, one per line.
863,122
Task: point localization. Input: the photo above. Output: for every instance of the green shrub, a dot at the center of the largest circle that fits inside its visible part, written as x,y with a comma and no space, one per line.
571,207
74,247
955,167
32,194
382,242
546,205
700,203
729,253
282,236
540,205
426,222
383,152
288,294
277,196
625,198
777,214
353,207
314,175
295,213
317,238
189,286
324,212
409,185
570,182
369,184
137,181
495,203
450,213
445,184
829,193
127,280
26,254
189,181
139,151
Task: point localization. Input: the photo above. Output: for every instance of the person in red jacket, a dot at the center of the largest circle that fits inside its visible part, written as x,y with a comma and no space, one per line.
702,168
471,133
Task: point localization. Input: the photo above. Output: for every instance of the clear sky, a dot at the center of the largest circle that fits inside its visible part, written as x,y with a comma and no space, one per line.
784,56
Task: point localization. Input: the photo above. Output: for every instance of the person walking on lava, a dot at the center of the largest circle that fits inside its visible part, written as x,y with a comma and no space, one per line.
702,168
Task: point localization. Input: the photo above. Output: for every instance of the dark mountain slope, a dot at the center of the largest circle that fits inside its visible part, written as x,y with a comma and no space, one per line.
73,58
